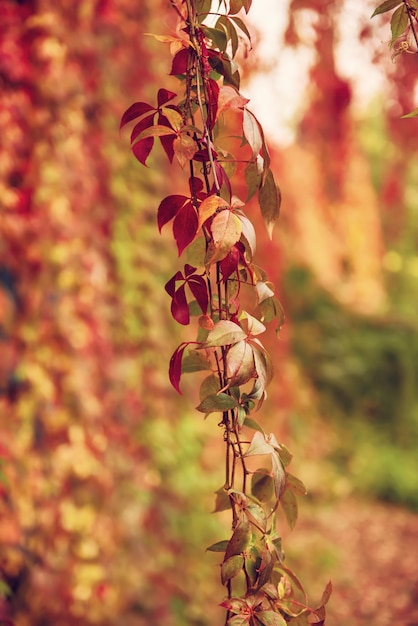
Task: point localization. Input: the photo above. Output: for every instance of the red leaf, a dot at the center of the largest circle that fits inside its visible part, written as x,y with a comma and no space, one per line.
174,371
146,122
142,149
179,307
164,95
135,110
188,270
222,177
168,140
229,264
179,65
185,226
202,155
213,94
168,208
170,287
195,185
199,289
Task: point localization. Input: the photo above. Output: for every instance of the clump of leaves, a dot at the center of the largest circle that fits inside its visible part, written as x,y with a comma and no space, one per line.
211,226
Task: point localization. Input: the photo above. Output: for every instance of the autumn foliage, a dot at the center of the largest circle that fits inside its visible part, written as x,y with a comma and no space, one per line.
106,480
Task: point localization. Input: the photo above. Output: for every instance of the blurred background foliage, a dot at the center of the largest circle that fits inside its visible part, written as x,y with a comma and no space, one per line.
106,476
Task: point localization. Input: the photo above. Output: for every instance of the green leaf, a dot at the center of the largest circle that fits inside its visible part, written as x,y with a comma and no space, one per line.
256,516
5,590
386,6
217,37
239,620
222,502
413,113
262,486
294,484
290,507
203,7
231,567
217,403
285,455
240,539
241,415
195,361
266,567
399,22
241,25
252,179
195,253
174,117
3,478
252,562
209,387
270,618
251,423
269,198
224,333
219,546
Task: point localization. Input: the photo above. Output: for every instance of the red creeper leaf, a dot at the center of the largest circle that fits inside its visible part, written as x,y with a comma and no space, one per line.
199,289
230,263
213,94
175,366
142,149
179,307
168,209
164,95
146,122
185,226
179,65
135,110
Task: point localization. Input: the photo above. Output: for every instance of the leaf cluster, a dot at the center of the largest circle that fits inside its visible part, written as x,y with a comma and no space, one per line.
212,228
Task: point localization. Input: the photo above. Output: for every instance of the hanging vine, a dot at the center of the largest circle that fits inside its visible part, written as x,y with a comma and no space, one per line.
213,232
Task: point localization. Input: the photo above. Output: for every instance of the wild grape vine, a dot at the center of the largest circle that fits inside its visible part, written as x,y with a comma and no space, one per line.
217,239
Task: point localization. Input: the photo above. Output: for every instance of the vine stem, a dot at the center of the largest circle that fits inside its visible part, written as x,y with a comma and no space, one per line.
411,23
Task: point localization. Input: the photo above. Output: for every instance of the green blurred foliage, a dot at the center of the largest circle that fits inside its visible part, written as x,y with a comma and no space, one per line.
364,371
